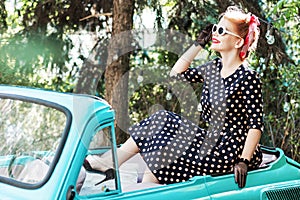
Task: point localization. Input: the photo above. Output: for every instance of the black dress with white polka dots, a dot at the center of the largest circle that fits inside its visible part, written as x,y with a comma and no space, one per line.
175,149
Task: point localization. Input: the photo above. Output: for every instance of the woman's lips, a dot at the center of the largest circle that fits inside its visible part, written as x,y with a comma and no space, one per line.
215,40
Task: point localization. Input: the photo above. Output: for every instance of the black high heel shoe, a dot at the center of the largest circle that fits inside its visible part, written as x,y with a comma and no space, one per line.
109,173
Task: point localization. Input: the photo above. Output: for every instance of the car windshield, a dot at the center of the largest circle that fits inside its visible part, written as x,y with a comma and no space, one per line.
29,135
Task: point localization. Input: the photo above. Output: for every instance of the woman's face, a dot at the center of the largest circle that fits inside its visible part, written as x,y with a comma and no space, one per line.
226,42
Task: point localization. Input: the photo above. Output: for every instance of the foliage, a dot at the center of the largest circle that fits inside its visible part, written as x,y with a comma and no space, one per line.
35,48
36,44
282,94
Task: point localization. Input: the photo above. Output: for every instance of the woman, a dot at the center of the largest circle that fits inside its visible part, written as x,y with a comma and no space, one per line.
174,148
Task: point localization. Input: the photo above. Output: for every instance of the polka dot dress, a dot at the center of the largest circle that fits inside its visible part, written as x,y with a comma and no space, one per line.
175,149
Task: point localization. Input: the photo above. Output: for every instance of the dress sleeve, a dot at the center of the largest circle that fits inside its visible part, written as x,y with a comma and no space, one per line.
252,94
196,74
192,75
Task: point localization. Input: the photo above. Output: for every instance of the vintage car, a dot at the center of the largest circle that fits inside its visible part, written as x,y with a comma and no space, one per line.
45,137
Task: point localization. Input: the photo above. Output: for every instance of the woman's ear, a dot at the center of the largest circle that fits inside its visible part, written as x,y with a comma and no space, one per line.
239,43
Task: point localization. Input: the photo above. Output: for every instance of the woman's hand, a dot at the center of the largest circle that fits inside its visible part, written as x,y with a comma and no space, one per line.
240,173
185,59
204,36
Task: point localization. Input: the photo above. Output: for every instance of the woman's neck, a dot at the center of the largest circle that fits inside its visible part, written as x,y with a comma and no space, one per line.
230,63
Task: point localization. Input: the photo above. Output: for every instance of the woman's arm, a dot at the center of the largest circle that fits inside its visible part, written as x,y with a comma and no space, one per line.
251,142
254,109
185,60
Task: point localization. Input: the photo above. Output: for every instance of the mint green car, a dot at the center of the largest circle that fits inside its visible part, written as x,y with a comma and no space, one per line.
45,137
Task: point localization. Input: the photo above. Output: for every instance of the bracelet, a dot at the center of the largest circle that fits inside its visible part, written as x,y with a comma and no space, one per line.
244,160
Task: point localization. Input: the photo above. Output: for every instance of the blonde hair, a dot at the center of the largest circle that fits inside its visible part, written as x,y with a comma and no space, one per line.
243,21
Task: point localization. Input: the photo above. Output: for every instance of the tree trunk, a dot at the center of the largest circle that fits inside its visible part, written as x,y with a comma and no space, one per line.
117,71
3,16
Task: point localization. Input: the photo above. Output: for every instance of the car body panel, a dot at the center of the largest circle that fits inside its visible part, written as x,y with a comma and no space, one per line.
89,114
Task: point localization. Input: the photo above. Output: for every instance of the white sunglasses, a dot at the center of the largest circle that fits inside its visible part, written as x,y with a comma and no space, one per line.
221,30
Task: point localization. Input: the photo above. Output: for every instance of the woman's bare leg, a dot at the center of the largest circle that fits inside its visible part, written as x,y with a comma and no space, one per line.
104,162
149,177
127,150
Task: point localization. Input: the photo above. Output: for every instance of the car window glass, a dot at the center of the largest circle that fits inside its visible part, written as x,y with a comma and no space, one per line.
100,152
29,136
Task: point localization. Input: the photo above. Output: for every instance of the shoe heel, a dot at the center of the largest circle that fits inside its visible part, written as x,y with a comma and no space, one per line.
109,174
